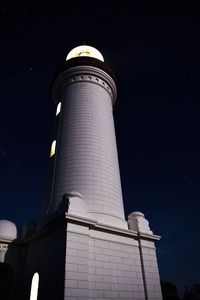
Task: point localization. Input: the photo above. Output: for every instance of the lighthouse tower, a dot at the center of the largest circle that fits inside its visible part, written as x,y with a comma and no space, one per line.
84,149
83,248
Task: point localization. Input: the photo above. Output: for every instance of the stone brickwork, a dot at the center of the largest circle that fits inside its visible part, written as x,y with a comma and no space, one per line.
78,258
77,264
151,273
106,264
44,253
115,270
86,155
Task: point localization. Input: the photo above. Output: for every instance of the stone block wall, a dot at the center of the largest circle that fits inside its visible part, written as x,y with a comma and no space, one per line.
150,270
106,264
79,259
45,254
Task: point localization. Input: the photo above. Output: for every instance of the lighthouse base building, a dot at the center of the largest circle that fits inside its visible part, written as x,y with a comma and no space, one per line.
78,258
82,248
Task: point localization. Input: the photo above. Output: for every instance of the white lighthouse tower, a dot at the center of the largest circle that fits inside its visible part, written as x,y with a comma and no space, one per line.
86,160
84,248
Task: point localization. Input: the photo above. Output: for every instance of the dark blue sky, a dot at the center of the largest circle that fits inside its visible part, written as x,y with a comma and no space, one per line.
154,52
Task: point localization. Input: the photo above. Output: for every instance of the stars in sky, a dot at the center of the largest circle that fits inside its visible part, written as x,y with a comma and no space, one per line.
155,56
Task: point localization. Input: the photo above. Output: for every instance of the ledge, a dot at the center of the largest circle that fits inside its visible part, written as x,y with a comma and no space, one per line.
63,219
111,229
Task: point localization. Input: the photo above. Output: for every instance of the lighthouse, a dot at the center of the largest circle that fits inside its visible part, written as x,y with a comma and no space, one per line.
83,247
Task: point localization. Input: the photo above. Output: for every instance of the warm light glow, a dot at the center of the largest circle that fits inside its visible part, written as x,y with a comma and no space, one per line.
58,108
85,51
34,287
53,148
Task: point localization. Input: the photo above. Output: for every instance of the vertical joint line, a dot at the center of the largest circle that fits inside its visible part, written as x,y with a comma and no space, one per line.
142,267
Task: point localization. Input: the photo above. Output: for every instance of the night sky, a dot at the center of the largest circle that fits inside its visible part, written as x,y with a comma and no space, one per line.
155,54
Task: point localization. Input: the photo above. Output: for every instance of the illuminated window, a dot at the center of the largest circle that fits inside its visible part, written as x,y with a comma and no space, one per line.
58,108
53,148
34,287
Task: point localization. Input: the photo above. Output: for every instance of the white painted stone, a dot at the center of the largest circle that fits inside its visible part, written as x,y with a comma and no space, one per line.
102,263
77,205
86,158
8,230
137,222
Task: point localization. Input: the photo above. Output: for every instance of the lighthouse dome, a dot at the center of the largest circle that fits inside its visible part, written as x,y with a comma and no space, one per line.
8,230
85,50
